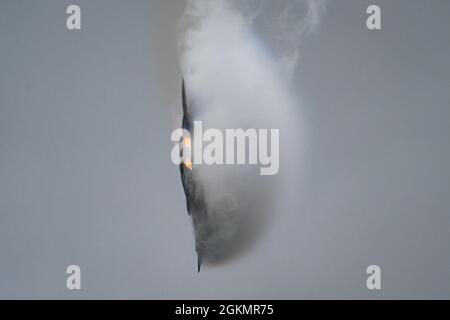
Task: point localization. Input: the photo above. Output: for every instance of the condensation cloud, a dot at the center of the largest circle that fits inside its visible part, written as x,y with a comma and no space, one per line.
234,79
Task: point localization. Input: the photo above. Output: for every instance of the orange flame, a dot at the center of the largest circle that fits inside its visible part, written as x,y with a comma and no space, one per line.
187,145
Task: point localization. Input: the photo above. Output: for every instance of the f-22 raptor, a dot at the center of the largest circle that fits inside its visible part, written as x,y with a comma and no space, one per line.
195,202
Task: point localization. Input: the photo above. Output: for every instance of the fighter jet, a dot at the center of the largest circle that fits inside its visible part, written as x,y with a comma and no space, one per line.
193,190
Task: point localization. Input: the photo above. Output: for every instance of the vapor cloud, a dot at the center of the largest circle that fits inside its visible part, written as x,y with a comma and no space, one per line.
237,63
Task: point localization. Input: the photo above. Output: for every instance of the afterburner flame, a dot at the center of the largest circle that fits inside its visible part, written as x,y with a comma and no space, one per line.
187,141
187,146
188,165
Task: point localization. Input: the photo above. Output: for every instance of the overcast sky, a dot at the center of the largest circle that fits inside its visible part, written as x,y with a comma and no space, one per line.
86,176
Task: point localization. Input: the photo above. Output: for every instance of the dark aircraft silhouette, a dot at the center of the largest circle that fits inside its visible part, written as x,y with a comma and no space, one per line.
195,202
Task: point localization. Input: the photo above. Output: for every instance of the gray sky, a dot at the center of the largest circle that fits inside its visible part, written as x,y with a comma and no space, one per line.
86,176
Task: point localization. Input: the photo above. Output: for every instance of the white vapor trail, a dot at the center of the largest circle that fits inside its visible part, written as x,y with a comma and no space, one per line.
237,58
